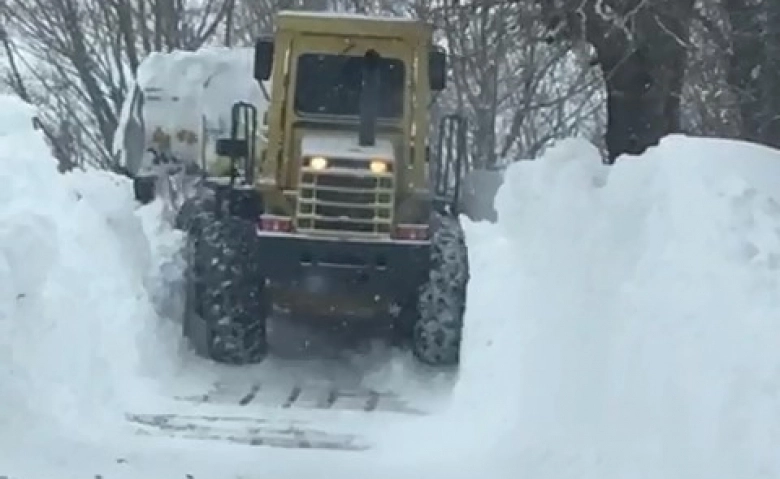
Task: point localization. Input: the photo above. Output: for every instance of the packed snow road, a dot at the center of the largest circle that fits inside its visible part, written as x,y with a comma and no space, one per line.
622,322
310,404
315,391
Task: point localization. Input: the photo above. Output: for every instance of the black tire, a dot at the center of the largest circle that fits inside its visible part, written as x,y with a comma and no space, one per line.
195,212
441,304
144,189
226,305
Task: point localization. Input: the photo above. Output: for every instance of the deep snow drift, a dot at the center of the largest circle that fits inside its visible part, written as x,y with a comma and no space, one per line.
624,321
78,332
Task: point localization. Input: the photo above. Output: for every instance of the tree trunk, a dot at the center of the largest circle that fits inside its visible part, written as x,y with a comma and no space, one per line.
644,80
635,120
745,60
641,49
643,101
770,77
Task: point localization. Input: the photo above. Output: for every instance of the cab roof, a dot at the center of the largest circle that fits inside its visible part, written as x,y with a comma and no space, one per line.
352,24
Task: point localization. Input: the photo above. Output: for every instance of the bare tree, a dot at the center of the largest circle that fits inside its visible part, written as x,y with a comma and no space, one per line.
82,54
771,75
745,58
257,16
57,132
753,61
708,106
641,48
80,57
519,93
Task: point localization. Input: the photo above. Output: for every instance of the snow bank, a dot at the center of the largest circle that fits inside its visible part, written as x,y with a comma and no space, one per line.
623,322
78,332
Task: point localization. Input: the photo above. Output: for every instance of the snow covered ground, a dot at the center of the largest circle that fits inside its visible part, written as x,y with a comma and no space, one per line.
622,322
627,317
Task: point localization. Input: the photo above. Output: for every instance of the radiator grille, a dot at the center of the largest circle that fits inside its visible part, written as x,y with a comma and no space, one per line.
345,200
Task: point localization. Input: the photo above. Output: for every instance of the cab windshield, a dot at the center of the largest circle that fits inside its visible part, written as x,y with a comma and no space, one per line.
330,84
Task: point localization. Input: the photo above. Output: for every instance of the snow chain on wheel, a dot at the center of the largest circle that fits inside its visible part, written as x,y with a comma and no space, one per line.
226,289
436,335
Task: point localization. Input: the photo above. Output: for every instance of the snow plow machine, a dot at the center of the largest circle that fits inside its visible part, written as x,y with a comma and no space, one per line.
329,198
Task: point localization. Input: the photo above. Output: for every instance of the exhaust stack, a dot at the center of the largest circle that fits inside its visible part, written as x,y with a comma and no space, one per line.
369,99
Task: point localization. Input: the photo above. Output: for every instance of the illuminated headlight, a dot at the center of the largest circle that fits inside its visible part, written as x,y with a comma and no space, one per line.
378,167
318,163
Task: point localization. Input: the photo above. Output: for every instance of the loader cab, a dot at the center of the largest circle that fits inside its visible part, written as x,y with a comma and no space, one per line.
326,82
264,60
353,93
339,222
338,93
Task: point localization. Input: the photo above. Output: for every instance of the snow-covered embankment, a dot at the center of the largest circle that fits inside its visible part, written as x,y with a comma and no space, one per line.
78,332
624,321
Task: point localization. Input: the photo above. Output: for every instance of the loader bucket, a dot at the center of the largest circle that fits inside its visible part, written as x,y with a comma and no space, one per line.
181,104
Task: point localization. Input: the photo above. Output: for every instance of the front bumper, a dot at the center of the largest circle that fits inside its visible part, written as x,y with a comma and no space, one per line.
325,266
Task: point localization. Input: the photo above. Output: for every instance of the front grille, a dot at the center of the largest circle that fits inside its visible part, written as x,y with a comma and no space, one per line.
341,200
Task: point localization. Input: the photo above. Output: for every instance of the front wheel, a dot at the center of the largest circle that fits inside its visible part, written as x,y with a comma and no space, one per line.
227,304
441,304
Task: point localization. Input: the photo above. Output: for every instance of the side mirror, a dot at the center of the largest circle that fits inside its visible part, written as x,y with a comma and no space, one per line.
437,69
264,58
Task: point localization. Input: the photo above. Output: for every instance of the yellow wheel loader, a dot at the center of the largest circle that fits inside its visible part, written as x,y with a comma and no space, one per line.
332,203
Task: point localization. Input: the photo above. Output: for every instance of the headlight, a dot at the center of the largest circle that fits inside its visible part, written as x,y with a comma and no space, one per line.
378,167
318,163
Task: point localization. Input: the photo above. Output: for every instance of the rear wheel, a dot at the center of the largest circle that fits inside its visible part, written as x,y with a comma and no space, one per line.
144,188
227,305
441,304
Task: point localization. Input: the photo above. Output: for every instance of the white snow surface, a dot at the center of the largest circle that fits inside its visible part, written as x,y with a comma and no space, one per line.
622,322
187,90
204,83
76,325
